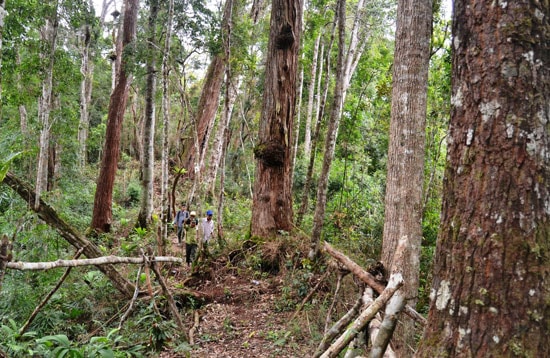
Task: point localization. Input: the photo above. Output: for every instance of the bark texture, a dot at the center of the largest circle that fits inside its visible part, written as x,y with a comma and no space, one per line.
272,204
405,171
491,288
103,210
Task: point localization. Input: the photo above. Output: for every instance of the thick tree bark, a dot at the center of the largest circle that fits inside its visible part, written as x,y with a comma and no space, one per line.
491,280
102,213
405,172
49,215
148,162
272,202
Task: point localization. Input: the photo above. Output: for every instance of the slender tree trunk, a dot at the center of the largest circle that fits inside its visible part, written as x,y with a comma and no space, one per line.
296,128
2,15
272,202
87,71
332,131
102,213
405,173
148,162
311,96
166,214
320,112
347,62
49,36
491,278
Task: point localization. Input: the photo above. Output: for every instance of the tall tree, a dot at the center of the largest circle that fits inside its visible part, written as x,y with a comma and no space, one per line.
148,162
491,277
208,104
348,58
87,71
103,211
2,15
272,202
405,169
165,125
49,37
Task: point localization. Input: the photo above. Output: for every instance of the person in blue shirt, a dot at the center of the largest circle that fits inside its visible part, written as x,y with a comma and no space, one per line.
180,218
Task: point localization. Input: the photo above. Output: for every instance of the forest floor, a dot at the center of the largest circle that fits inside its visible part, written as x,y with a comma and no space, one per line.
239,316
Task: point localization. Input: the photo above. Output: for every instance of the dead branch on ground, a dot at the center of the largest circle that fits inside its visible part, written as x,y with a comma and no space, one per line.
396,281
337,328
311,292
368,279
50,216
98,261
48,296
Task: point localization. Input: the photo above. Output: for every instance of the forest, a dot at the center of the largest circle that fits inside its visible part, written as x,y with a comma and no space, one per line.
253,178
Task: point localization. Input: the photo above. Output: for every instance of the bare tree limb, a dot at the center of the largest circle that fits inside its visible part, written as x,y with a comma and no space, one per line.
50,216
337,328
311,292
47,298
368,279
396,281
98,261
170,299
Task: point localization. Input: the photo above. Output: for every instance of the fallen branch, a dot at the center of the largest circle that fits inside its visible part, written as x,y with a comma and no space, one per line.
311,292
396,281
48,296
369,279
73,237
134,298
337,328
374,324
98,261
169,298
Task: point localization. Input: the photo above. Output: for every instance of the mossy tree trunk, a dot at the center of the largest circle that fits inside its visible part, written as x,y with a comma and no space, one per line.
491,281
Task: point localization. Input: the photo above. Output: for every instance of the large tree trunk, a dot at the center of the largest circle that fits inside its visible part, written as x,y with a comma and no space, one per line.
491,280
102,214
405,172
272,202
148,162
49,36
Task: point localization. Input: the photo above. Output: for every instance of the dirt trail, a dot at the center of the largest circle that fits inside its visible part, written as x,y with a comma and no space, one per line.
241,317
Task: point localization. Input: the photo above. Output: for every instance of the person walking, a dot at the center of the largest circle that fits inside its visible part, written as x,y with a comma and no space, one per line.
207,229
191,227
180,218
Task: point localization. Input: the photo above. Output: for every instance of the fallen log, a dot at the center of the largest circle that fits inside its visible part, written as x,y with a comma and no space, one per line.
368,279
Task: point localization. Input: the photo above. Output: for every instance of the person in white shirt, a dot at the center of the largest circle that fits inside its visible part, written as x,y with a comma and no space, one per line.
207,228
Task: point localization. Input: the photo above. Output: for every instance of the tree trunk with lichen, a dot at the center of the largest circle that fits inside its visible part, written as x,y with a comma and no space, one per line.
272,202
491,281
